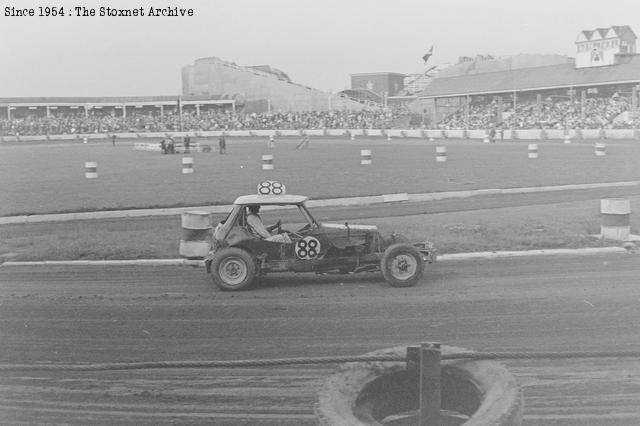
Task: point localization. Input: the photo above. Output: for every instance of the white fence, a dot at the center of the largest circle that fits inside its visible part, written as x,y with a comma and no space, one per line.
524,134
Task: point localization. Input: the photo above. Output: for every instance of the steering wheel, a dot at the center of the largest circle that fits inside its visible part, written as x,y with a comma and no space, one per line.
304,228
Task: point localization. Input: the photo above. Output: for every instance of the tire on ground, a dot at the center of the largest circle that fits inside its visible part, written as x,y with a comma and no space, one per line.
365,393
233,269
402,265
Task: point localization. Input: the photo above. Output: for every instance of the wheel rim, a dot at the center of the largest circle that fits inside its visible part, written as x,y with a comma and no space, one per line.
403,267
233,270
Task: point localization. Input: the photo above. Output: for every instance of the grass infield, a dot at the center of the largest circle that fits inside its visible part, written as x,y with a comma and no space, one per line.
41,178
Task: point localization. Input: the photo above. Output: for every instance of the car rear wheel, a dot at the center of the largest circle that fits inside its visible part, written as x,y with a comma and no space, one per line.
233,269
401,265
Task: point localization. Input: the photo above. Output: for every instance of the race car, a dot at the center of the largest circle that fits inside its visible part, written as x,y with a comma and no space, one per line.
238,253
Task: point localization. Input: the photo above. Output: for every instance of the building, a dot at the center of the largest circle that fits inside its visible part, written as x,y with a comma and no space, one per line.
604,46
258,88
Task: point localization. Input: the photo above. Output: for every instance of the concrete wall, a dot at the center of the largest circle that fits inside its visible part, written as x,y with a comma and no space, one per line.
524,134
214,77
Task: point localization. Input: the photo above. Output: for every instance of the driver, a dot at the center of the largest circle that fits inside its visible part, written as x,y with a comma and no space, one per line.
257,227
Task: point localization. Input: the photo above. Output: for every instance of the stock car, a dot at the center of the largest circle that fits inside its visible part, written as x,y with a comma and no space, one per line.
238,255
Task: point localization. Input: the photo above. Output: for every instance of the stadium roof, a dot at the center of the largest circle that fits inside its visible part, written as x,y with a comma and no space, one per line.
532,79
17,101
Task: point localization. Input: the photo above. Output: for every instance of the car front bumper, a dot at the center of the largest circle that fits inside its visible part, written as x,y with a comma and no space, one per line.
428,251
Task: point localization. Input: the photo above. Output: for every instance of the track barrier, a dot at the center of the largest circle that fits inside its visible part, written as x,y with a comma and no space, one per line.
601,148
532,151
441,154
615,214
365,157
187,165
91,170
196,227
267,162
577,134
543,135
602,134
525,134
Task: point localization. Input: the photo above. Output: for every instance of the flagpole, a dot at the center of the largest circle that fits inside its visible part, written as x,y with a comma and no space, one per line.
180,110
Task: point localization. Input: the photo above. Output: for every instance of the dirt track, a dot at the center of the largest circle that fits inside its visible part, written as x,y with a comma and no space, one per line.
87,315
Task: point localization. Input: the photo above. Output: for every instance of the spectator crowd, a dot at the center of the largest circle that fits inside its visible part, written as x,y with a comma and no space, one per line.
594,113
190,121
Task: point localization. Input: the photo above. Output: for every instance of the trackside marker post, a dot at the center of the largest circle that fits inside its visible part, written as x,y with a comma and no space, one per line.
423,363
430,396
615,214
365,156
196,227
533,151
187,165
90,170
267,162
601,148
441,154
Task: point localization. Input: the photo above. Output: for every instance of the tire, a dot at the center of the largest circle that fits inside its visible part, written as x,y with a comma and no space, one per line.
233,269
402,265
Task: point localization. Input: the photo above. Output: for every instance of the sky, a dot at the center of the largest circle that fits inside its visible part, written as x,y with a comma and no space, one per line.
318,43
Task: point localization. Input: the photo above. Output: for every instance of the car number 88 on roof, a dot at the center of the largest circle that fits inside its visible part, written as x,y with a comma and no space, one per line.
270,187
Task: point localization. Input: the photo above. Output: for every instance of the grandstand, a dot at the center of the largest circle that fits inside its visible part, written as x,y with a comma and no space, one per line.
115,106
597,89
267,89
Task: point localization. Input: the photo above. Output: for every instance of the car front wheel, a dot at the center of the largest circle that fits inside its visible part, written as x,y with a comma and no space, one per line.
401,265
233,269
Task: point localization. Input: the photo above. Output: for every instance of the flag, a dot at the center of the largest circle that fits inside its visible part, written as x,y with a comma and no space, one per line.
427,55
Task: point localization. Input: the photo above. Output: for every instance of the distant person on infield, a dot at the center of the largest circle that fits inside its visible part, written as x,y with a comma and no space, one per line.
259,230
222,145
187,144
113,140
